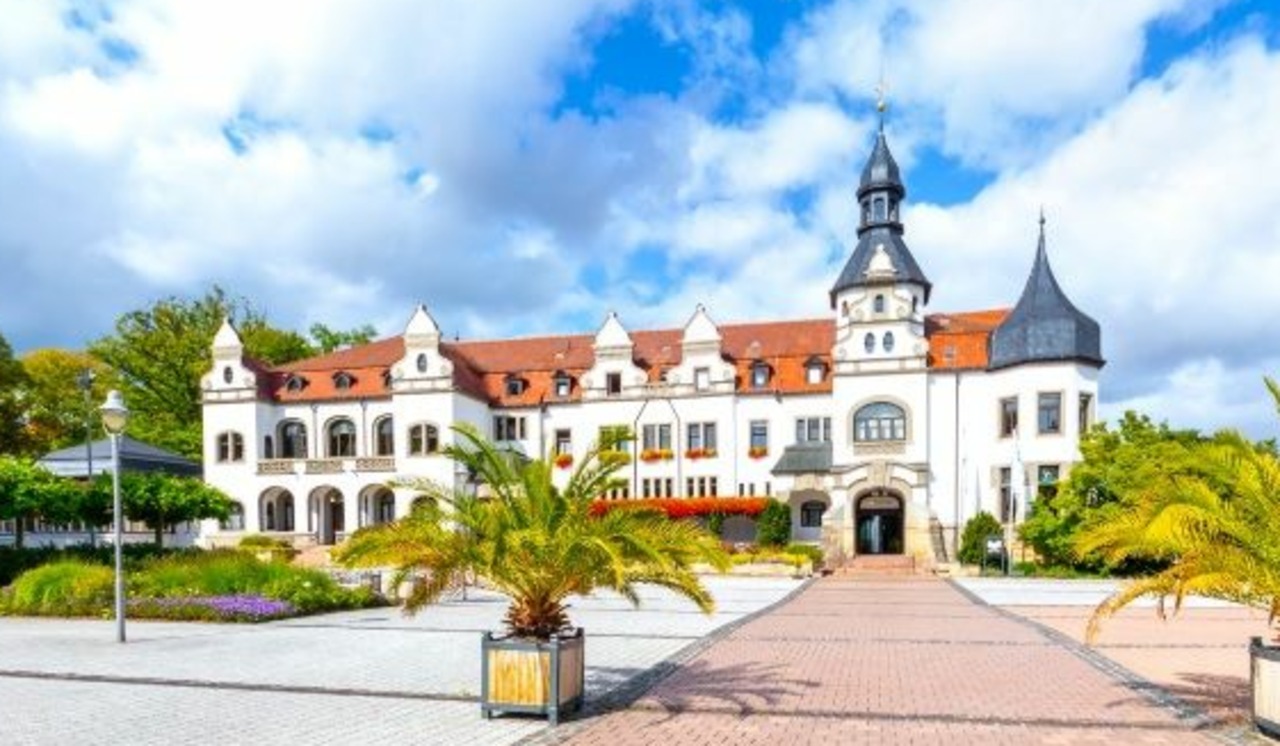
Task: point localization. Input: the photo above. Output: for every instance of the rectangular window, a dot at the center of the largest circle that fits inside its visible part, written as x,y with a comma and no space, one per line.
670,487
564,442
515,387
813,430
645,485
508,427
701,436
701,379
1049,418
656,437
759,376
811,514
760,434
814,373
1008,416
613,384
563,386
1086,413
689,483
614,438
1006,493
1047,480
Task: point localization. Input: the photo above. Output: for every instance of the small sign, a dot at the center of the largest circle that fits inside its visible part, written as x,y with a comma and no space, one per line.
879,502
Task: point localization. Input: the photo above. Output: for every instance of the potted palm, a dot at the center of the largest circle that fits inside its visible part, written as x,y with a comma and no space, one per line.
539,545
1221,529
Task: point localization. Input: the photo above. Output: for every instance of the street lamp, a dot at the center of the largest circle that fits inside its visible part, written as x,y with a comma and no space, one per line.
84,382
114,417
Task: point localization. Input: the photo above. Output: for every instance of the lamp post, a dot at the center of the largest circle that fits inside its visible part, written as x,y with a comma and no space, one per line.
84,381
114,417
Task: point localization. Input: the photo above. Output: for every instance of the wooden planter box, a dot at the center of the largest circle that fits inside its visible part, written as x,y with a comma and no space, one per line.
1264,676
543,678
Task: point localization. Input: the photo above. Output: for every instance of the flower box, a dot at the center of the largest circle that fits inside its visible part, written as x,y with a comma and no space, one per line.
650,455
564,460
532,676
757,452
693,454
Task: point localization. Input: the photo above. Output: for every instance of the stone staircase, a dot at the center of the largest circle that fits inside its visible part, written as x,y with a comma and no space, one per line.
879,564
316,556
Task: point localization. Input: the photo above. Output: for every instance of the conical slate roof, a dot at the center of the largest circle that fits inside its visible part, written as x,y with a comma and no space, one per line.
1045,325
881,169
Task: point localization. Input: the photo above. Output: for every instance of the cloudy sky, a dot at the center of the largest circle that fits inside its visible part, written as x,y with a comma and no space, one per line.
525,167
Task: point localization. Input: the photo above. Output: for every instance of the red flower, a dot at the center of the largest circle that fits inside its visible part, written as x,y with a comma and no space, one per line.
564,460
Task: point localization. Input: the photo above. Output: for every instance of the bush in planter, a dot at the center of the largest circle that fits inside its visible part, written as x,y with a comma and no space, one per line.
973,540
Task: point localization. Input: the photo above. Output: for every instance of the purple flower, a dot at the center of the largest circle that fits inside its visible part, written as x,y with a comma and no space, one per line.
246,608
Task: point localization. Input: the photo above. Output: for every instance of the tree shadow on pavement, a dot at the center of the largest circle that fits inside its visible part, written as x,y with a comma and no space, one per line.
1225,698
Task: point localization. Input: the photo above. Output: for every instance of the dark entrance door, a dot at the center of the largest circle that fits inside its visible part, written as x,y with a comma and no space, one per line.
879,524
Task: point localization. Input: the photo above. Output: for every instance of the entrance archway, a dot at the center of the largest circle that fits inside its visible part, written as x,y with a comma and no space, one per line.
327,514
377,505
880,523
275,509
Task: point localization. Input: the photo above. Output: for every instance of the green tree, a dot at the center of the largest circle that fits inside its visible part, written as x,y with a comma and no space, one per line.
773,527
159,500
29,491
329,340
537,543
56,411
12,378
161,352
1115,464
973,540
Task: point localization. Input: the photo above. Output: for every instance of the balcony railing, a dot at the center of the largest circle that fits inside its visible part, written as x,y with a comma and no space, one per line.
276,466
376,463
324,466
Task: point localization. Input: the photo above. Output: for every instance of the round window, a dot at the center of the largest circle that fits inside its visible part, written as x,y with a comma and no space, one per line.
227,374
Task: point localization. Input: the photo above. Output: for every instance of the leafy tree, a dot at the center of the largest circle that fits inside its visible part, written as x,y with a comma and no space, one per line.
537,543
12,378
773,527
160,500
1226,541
329,340
973,540
1114,464
56,411
161,352
29,491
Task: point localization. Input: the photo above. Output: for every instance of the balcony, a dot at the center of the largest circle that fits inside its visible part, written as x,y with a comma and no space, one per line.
276,466
376,463
324,466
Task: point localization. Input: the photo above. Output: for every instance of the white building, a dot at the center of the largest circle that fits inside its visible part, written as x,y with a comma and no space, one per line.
883,426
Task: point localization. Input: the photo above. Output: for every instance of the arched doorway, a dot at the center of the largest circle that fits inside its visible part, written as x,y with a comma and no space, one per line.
275,510
377,505
879,523
326,514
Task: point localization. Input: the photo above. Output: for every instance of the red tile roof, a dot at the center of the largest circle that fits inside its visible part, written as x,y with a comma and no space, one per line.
482,368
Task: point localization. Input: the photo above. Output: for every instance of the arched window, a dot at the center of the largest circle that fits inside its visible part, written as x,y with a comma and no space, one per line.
227,374
422,362
878,304
383,508
879,208
295,383
343,380
230,447
811,513
384,437
888,342
234,520
424,439
869,342
879,421
293,439
342,438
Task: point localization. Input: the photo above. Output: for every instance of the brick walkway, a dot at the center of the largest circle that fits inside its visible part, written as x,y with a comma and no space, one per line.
887,660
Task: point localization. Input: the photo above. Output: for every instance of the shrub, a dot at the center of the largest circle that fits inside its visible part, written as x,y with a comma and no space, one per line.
715,523
973,542
811,551
63,588
687,507
774,526
262,541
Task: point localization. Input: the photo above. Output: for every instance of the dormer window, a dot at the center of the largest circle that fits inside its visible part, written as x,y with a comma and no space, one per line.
386,379
295,383
878,304
701,379
562,385
759,375
342,380
613,384
514,385
814,371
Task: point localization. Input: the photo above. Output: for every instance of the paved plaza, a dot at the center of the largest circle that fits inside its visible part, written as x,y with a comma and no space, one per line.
894,661
371,676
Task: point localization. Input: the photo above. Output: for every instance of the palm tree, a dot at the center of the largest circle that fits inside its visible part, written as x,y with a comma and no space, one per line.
534,542
1221,528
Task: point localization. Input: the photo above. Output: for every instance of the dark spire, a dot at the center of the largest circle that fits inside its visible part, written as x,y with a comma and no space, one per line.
1045,325
880,193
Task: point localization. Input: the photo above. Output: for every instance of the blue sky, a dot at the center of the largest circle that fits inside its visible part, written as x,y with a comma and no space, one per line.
524,168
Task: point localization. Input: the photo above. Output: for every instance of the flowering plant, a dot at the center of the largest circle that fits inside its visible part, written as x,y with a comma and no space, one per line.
697,453
758,451
564,460
687,507
649,455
